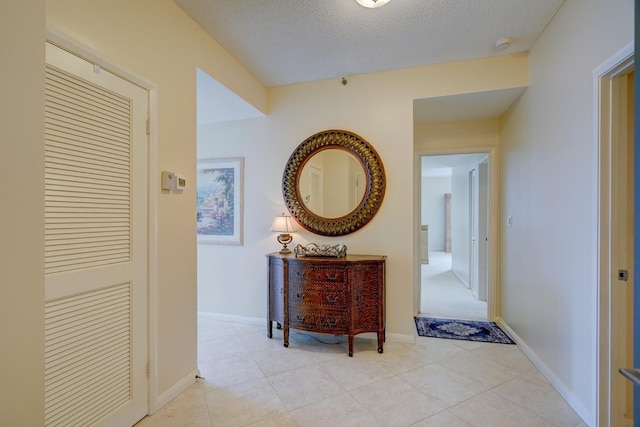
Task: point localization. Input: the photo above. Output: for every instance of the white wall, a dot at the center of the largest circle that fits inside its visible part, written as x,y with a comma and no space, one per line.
549,171
156,40
22,213
227,284
432,201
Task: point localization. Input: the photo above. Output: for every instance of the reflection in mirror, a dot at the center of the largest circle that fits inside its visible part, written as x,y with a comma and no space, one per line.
331,183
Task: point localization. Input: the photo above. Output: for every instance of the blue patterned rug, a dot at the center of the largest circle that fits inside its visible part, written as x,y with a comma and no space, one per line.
469,330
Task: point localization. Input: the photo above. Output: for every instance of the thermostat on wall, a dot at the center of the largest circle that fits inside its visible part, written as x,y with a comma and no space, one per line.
173,181
180,183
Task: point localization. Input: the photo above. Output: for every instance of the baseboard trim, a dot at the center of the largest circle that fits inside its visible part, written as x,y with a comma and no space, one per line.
232,318
174,391
555,382
401,338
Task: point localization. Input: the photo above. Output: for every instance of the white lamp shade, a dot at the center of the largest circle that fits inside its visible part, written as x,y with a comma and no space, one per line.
283,224
372,3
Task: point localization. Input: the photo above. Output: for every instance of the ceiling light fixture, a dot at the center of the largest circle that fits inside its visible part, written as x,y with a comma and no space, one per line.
372,3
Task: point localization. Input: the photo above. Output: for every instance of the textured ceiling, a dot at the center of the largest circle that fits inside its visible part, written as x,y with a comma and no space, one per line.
292,41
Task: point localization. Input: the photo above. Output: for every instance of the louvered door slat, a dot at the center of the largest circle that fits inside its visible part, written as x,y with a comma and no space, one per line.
75,109
101,143
81,147
83,89
86,328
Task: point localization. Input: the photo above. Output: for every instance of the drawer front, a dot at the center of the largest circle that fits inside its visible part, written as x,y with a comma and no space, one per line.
319,273
323,321
318,296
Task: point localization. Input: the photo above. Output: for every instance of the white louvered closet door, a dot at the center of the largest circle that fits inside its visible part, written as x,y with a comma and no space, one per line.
95,245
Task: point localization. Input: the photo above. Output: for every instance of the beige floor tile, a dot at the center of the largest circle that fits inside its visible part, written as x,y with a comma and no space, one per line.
482,370
469,345
256,342
398,357
435,349
341,410
229,371
442,419
540,398
248,328
216,349
443,385
396,403
491,409
507,355
354,372
304,386
408,384
276,360
282,420
189,409
209,329
243,404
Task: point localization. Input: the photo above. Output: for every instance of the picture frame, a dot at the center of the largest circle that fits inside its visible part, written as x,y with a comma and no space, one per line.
220,200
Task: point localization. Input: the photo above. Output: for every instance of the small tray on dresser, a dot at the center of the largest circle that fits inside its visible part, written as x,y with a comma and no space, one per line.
315,250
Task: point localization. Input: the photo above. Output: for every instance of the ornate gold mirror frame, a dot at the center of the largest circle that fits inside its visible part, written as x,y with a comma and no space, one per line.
374,193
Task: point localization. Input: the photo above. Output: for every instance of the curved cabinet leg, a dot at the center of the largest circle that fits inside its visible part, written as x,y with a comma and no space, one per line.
286,336
350,345
381,339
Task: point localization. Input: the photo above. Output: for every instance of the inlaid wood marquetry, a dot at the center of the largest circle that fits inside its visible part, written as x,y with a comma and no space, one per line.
340,296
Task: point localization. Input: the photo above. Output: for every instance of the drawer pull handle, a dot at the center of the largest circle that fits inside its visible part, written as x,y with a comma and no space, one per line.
332,276
299,295
332,300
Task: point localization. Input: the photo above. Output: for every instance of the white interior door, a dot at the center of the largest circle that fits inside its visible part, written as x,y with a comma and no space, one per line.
483,230
95,245
316,190
622,227
473,229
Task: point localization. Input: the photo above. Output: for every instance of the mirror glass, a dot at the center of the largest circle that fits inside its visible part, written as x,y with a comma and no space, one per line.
332,183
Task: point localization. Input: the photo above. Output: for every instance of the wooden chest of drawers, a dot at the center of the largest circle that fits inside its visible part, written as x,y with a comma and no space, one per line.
340,296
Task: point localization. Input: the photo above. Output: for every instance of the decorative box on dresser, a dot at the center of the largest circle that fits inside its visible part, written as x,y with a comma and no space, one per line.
339,296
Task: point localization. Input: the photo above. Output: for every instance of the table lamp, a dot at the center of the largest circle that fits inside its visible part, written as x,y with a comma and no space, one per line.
283,225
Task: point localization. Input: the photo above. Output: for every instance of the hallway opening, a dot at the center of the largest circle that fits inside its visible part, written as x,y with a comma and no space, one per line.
454,236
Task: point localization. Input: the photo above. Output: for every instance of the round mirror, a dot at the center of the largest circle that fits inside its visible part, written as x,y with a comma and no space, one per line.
333,183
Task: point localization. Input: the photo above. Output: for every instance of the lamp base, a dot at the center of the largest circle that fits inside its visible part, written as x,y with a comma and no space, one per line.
284,240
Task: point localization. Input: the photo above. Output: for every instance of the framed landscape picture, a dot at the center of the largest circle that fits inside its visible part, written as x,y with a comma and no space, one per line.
219,185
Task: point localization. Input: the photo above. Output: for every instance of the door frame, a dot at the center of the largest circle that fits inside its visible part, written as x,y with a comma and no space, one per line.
153,189
493,302
618,64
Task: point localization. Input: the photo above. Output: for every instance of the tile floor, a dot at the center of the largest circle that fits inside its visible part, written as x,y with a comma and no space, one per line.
251,380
